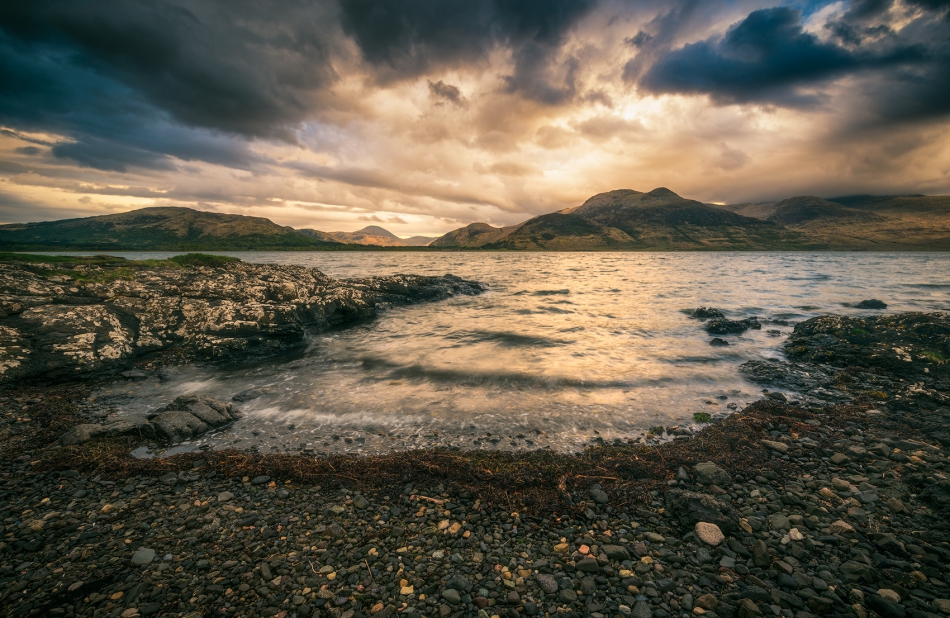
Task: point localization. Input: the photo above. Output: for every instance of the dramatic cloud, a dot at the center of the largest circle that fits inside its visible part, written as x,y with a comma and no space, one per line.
425,115
768,57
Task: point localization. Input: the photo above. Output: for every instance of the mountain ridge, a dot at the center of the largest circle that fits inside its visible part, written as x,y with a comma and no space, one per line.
623,219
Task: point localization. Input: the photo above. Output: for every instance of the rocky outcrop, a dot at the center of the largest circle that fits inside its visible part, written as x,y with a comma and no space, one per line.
900,361
725,326
185,418
64,320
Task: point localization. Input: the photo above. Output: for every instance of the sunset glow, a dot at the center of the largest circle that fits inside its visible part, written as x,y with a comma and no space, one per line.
332,115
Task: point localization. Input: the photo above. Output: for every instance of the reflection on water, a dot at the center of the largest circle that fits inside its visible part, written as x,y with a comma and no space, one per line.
563,348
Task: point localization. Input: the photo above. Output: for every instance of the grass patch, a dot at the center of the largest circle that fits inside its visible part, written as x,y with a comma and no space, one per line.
860,331
702,417
936,357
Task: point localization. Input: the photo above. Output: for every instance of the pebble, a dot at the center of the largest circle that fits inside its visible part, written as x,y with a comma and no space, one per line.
709,534
793,543
143,557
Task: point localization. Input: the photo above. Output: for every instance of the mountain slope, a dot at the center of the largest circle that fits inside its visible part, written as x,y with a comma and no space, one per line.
371,235
473,235
863,222
158,228
627,219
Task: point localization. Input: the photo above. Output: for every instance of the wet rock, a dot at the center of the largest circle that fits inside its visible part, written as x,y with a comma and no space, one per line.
55,327
704,313
871,303
725,326
718,342
190,416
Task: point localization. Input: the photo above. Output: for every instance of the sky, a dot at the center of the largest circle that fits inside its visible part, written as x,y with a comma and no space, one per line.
426,115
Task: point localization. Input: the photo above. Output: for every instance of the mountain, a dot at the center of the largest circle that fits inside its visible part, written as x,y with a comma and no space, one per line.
158,228
417,241
632,220
473,235
370,235
862,222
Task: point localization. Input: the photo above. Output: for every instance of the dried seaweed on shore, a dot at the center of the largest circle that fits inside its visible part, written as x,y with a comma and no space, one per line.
539,481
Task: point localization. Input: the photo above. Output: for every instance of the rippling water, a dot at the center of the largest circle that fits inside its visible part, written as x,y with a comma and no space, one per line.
562,349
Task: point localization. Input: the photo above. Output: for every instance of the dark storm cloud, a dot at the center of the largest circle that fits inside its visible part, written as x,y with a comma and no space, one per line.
446,92
769,58
407,38
108,125
219,65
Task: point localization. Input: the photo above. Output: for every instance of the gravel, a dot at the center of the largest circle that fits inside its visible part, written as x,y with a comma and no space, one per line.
858,537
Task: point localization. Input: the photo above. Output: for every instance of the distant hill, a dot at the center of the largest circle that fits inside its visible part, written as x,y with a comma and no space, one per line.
865,222
632,220
158,228
371,235
624,219
473,235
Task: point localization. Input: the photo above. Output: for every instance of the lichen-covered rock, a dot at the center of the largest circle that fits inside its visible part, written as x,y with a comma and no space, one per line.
188,417
904,343
97,318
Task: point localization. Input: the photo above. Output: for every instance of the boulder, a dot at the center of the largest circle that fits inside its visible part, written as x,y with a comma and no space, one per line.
185,418
190,416
708,473
53,328
704,313
691,508
725,326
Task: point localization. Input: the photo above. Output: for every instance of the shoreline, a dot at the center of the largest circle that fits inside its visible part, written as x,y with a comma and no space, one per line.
456,533
783,509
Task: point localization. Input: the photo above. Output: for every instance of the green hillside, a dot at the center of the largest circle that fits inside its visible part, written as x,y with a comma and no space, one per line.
158,229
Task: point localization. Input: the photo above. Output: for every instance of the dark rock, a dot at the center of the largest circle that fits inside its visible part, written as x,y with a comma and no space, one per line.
885,608
462,584
588,565
615,552
708,473
724,326
871,303
691,508
717,342
60,331
703,313
937,496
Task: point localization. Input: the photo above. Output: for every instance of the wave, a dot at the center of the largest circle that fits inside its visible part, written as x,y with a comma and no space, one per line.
508,339
479,378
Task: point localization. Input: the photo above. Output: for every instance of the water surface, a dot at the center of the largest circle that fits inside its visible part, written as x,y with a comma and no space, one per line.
563,349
